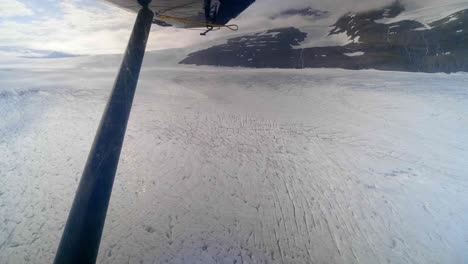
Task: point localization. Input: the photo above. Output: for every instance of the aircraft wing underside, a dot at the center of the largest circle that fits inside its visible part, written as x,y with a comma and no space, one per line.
209,11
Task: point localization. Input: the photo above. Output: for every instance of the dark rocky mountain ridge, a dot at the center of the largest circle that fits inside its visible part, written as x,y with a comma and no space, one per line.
407,45
304,12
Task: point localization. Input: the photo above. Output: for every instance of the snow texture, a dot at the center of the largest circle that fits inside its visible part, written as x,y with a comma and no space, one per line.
225,165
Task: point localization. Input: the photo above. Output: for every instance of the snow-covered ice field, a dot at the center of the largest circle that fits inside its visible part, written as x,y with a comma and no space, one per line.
227,165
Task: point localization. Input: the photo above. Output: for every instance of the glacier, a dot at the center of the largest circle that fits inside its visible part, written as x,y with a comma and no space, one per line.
233,165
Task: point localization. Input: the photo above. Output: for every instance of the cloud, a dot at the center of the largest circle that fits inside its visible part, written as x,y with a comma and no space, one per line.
92,27
78,29
14,8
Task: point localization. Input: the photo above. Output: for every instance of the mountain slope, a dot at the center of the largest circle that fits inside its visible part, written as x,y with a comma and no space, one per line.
368,42
9,51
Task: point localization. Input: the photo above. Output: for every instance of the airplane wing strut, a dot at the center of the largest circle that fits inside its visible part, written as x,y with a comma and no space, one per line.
82,234
83,230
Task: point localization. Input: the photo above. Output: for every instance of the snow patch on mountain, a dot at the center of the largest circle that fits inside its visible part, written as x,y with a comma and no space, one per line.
426,15
354,54
320,37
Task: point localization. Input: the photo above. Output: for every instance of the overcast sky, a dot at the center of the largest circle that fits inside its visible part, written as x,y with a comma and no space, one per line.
94,27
